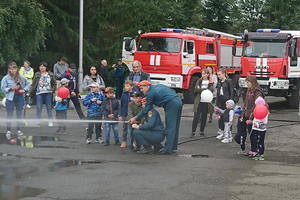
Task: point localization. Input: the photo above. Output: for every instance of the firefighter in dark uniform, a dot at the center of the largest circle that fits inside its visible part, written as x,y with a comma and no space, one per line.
151,132
162,96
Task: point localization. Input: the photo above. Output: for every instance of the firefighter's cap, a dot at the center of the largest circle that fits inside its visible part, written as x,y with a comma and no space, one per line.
144,83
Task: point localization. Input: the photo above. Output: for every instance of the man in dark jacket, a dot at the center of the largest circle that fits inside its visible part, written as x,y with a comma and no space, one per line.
103,71
72,76
120,73
137,75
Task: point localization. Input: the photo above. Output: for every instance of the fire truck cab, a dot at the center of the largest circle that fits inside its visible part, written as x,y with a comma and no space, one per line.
175,57
273,56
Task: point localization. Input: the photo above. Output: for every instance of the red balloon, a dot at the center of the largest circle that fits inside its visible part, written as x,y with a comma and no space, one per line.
260,111
63,92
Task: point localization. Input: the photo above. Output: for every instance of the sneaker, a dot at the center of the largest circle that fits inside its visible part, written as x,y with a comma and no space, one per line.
123,145
259,157
99,140
88,141
8,135
242,153
20,133
225,141
201,133
147,149
220,136
28,106
50,124
192,134
230,139
252,154
157,148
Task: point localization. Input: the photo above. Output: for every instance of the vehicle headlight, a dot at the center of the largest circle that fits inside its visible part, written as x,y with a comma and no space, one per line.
175,79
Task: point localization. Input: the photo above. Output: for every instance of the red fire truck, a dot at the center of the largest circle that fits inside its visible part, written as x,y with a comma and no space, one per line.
273,56
175,57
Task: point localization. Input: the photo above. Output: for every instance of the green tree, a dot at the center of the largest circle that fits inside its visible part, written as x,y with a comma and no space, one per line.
217,14
282,14
22,30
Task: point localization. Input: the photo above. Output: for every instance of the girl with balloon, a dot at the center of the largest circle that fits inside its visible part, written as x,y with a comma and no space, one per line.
259,127
203,97
244,124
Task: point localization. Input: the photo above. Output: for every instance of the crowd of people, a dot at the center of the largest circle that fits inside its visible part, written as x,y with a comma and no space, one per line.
131,103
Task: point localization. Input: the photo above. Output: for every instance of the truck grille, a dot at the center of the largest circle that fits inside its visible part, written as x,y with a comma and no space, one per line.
255,73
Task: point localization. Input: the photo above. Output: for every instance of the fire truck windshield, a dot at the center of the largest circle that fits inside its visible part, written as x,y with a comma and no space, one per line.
160,44
265,49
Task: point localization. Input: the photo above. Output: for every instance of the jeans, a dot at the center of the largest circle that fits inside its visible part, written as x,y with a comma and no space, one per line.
202,115
259,137
114,127
18,102
125,132
61,114
130,138
91,127
242,129
45,98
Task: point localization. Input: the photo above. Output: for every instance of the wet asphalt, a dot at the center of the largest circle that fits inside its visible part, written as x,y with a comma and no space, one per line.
45,165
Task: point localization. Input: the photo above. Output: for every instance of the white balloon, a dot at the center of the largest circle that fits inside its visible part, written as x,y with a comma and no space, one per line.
206,96
3,102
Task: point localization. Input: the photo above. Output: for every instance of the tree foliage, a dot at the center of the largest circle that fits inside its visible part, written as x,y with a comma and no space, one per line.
48,29
23,26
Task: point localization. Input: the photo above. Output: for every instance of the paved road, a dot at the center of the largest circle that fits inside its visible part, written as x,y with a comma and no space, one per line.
64,167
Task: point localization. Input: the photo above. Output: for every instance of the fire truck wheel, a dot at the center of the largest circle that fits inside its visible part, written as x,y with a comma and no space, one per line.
293,100
188,95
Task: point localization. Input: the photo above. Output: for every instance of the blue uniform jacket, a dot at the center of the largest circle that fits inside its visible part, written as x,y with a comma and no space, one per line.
152,121
93,109
125,99
158,95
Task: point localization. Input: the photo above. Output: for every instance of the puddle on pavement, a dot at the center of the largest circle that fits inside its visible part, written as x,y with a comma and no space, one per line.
193,155
31,141
14,192
10,190
71,163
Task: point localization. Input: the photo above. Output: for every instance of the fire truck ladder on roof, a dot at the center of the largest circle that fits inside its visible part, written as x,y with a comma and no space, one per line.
209,32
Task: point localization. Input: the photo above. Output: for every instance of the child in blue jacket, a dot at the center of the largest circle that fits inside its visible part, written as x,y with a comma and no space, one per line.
93,103
61,107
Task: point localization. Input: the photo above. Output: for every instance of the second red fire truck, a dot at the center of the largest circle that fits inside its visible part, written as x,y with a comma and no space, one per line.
273,56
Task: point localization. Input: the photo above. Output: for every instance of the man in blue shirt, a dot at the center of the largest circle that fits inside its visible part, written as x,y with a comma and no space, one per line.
137,75
162,96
